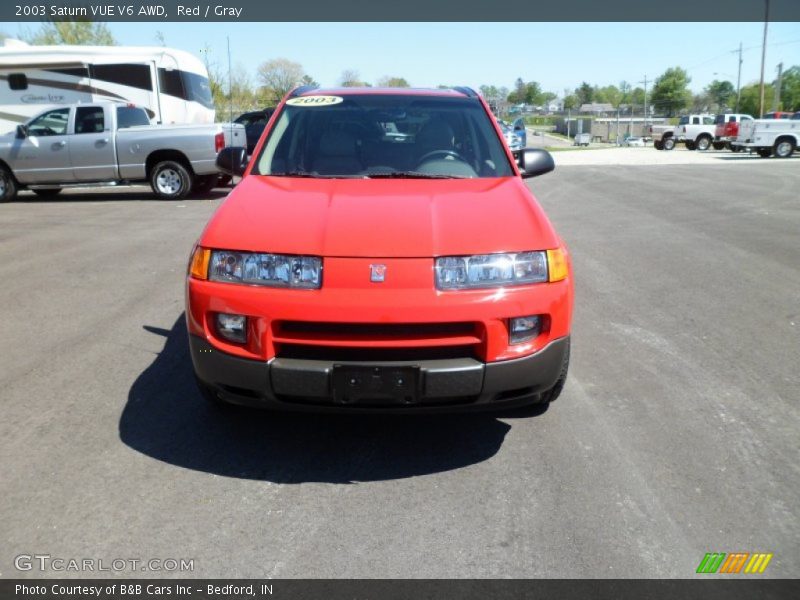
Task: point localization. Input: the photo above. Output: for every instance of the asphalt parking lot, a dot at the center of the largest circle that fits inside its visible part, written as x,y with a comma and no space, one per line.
677,433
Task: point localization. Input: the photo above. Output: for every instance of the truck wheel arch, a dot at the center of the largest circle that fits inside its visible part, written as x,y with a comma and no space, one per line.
161,155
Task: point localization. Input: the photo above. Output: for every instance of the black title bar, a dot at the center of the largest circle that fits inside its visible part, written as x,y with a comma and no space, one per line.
402,10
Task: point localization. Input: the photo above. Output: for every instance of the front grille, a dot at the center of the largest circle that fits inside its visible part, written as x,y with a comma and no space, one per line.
377,341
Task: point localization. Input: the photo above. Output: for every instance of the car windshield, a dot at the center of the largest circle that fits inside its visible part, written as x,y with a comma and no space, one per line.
383,135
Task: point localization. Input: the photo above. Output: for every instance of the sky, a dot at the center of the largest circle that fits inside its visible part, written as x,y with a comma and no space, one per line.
557,55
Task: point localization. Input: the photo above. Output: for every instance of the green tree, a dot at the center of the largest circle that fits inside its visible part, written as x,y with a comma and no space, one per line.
671,91
517,96
751,97
790,88
571,102
609,94
78,33
277,77
398,82
584,93
533,93
721,93
308,80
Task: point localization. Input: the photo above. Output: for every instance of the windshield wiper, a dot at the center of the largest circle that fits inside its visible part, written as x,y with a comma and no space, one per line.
411,175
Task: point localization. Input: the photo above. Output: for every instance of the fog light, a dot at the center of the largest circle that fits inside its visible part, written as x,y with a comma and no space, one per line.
232,327
522,329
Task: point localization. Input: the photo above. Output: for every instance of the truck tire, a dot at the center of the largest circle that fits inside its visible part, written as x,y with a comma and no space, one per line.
47,193
170,180
204,184
703,143
8,185
658,145
764,152
668,143
690,145
719,145
784,147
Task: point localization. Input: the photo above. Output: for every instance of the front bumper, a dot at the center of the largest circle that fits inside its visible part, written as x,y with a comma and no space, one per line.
444,385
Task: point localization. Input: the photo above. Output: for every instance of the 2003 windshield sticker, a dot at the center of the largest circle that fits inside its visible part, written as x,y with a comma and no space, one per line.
310,101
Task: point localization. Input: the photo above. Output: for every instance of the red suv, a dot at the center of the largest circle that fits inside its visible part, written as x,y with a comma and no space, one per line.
381,253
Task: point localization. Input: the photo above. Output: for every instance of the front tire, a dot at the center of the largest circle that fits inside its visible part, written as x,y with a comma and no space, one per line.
658,145
783,148
170,180
8,185
554,392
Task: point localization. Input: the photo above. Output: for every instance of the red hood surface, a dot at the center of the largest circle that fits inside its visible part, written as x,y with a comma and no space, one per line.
378,218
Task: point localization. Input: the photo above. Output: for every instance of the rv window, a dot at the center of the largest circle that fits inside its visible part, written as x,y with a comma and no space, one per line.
89,119
169,80
18,81
81,72
53,122
185,85
137,76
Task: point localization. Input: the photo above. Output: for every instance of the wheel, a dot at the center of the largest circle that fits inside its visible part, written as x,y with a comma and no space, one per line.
8,186
170,180
719,145
690,145
48,193
784,148
764,152
703,143
658,144
204,184
668,143
554,392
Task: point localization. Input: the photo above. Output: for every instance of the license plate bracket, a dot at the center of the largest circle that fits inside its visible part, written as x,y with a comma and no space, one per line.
359,384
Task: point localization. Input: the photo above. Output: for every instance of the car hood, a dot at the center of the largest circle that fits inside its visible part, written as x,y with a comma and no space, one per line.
380,217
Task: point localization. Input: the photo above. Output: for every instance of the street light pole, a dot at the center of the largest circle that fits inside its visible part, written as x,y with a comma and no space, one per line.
739,80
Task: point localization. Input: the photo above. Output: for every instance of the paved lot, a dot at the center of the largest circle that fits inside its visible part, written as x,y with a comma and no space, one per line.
677,433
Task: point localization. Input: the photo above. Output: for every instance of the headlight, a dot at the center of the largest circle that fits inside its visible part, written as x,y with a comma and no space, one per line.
490,270
278,270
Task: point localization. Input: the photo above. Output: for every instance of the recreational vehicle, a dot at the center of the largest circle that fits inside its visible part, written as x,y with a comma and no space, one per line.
172,85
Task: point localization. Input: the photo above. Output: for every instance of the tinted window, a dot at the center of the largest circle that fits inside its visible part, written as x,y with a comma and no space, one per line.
695,120
130,116
82,72
720,119
137,76
185,85
380,135
169,80
683,121
53,122
732,119
18,81
708,120
89,119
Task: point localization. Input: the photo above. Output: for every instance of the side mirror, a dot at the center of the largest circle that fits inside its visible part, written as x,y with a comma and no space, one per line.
232,160
22,132
534,161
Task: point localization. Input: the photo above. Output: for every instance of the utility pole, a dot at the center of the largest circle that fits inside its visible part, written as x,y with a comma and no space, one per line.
645,105
763,59
739,80
569,112
776,101
230,79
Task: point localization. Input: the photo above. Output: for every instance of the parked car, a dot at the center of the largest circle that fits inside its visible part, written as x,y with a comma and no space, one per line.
353,270
106,143
695,131
635,141
726,130
514,134
254,123
770,137
656,134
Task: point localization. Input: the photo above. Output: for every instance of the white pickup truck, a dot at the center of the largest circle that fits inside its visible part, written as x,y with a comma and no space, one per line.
768,137
696,131
106,144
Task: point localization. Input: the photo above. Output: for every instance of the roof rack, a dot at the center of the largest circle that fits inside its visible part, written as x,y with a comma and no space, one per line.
302,90
467,91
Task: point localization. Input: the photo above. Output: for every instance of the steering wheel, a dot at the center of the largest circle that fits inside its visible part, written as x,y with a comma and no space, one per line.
452,153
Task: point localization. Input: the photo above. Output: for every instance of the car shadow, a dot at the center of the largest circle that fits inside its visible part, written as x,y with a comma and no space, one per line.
115,195
167,419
